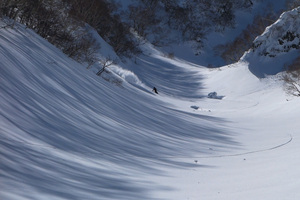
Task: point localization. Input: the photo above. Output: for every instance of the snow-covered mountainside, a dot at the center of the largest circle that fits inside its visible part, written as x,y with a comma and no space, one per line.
282,36
69,134
280,41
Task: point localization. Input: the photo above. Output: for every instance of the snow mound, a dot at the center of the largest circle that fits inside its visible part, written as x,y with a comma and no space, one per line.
214,95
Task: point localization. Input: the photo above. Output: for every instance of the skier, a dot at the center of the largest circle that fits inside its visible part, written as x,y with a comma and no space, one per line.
155,90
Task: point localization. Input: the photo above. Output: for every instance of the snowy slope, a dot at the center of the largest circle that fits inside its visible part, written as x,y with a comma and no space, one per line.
65,128
68,134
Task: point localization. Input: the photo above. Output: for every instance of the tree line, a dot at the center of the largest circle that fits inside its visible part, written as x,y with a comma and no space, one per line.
63,23
191,19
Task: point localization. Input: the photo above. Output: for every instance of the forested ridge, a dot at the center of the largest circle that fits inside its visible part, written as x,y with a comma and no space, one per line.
65,23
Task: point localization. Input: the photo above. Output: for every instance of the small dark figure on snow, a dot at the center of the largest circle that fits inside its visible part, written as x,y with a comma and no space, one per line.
155,90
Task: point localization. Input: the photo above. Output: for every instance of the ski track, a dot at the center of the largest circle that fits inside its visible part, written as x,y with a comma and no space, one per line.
135,156
252,152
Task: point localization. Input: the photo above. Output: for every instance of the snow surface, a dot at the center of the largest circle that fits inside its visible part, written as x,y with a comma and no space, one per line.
69,134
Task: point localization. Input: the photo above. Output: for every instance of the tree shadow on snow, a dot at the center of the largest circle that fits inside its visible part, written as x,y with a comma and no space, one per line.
68,135
89,152
169,77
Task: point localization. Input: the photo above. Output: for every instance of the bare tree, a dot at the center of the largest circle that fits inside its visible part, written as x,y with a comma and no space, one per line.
292,77
106,63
